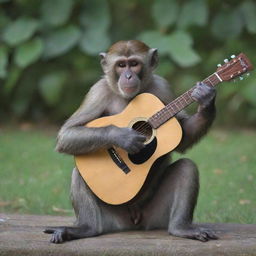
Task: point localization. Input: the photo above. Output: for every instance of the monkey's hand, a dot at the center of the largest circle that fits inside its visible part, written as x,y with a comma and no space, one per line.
204,94
127,139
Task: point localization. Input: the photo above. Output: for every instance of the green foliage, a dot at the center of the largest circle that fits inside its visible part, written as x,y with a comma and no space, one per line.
20,30
94,41
193,12
227,25
57,12
43,39
3,61
180,49
248,9
165,12
61,41
249,92
178,45
50,87
95,18
95,15
28,52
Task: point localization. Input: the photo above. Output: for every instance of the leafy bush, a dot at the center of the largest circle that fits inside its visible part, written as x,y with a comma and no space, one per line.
48,49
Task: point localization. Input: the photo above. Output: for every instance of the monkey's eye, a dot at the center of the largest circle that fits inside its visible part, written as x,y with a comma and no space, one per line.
134,63
121,64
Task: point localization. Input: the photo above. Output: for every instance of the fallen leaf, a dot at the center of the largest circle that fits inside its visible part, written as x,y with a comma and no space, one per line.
56,209
3,204
241,190
244,201
220,136
26,126
217,171
243,159
250,177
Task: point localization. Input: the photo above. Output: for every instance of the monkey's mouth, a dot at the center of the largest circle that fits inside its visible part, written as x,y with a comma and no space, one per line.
130,89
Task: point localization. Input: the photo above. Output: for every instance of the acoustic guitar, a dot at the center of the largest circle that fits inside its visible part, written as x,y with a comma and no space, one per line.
115,176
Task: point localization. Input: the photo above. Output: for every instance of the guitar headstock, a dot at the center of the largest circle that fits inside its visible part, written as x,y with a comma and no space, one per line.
237,66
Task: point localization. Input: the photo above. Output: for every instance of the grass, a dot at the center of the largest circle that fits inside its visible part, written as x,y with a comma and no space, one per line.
36,180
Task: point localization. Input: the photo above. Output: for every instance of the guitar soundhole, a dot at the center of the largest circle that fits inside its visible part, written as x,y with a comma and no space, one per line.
145,129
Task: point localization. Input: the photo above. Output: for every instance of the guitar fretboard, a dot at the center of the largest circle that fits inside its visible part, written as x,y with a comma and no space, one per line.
179,103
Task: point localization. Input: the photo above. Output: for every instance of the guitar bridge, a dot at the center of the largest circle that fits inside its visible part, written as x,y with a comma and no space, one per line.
118,160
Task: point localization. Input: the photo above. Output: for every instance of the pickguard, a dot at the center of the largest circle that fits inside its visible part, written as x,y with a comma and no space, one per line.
145,153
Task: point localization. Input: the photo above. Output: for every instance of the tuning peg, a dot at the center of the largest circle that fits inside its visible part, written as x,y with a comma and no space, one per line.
241,78
226,60
233,56
219,65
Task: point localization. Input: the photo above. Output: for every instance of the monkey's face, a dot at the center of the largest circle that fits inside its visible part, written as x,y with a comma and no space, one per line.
128,67
128,73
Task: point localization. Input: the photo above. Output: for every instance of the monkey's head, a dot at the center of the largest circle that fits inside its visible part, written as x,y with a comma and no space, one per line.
128,67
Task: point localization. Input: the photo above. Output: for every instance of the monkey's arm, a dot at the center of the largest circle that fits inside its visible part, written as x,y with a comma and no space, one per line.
196,126
75,138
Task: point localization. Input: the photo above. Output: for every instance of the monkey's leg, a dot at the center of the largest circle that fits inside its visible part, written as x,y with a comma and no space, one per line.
174,202
87,214
93,217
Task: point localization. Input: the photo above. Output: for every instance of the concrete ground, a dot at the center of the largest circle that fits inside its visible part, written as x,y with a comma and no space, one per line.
23,235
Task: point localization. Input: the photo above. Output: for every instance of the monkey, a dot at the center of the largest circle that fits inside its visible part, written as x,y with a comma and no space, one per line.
169,195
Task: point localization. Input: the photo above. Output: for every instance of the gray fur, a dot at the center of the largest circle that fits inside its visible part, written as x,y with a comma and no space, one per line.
169,195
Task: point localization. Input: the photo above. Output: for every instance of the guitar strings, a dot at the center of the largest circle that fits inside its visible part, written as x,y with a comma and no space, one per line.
163,113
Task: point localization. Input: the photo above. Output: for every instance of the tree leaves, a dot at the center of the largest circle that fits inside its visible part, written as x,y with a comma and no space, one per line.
165,12
227,24
57,12
181,49
20,30
249,92
155,39
193,12
61,41
248,9
95,18
28,52
95,15
50,87
177,45
174,27
93,42
3,61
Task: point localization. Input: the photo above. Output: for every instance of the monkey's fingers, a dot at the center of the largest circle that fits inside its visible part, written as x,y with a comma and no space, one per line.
196,95
212,235
136,148
141,138
202,236
57,238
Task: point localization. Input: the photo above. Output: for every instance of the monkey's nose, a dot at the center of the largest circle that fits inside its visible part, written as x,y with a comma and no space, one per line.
128,76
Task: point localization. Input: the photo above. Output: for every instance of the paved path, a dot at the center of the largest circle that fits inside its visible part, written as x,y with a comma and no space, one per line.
22,235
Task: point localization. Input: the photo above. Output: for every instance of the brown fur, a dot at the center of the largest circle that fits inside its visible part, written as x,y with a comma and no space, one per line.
128,48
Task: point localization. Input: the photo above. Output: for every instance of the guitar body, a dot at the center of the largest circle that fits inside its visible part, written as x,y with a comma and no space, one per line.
101,170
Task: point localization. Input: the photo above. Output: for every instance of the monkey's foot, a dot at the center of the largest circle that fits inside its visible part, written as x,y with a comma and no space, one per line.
59,234
197,233
63,234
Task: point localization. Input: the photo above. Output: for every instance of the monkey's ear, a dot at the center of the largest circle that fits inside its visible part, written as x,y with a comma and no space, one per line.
153,57
103,58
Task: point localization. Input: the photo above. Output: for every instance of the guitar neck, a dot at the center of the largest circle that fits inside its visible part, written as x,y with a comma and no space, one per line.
179,103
